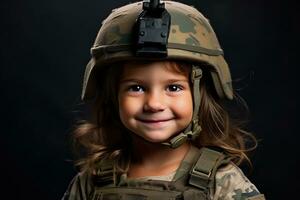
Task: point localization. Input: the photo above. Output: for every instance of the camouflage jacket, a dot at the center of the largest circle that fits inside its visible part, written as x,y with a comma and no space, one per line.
232,184
229,184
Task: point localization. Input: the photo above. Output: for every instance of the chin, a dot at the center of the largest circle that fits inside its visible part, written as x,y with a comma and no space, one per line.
157,139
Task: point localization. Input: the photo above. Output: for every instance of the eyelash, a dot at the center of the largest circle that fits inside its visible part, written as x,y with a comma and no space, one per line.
177,88
135,88
169,88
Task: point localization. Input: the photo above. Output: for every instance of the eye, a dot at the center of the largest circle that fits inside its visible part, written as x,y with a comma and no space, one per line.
135,88
174,88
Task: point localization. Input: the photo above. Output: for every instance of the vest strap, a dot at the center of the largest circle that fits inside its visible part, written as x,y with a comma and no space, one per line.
186,165
203,172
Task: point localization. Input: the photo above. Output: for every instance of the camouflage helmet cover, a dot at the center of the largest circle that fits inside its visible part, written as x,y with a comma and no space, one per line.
191,38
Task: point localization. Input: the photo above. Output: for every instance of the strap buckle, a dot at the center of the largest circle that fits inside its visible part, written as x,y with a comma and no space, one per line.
201,173
196,74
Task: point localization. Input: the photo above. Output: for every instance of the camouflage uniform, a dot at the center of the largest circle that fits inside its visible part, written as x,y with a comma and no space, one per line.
232,184
229,183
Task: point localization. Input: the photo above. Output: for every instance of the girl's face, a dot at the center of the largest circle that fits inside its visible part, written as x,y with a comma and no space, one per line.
155,101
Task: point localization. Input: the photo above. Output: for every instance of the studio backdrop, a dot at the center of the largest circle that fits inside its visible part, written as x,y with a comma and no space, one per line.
45,47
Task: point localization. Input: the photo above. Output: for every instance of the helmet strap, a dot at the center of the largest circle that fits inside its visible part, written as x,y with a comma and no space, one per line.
193,130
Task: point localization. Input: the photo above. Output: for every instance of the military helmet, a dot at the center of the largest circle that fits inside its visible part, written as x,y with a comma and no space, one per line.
189,38
151,30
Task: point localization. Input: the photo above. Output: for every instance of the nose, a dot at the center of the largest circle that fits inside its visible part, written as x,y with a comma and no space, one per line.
154,102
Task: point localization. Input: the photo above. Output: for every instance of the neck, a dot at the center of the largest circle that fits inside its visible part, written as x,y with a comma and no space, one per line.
150,159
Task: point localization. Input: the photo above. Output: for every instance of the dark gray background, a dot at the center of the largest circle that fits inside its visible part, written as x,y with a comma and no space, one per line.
44,49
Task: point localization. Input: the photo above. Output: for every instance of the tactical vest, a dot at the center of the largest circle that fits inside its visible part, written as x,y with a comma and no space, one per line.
194,180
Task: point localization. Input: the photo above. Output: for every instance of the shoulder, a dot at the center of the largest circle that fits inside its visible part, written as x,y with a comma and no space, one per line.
79,188
232,184
83,183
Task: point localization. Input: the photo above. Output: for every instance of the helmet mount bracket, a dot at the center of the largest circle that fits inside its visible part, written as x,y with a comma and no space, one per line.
152,30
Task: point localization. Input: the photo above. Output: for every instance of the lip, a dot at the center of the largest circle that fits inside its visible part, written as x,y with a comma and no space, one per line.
155,124
150,121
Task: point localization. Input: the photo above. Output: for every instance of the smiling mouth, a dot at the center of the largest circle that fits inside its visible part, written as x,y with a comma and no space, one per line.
153,121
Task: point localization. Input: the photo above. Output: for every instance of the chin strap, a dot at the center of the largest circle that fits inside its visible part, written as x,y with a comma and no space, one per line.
193,130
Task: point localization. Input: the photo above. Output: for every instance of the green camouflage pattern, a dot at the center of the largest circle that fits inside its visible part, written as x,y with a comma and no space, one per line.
191,38
232,184
229,183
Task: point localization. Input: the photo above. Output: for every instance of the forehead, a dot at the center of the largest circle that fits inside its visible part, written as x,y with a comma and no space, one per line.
136,67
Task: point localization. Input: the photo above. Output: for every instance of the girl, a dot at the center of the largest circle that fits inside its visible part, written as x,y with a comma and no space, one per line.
159,129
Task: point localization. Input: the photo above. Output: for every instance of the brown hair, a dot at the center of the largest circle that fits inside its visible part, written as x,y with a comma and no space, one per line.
104,136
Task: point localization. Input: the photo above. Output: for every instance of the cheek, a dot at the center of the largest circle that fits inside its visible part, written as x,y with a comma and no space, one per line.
123,112
127,108
184,107
123,108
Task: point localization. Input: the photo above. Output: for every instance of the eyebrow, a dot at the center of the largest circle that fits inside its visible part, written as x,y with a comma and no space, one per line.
140,80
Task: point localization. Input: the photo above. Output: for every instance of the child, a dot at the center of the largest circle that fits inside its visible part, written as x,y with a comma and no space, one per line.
159,129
